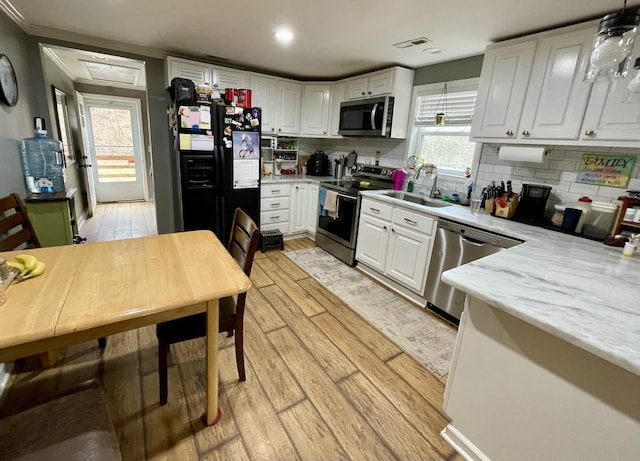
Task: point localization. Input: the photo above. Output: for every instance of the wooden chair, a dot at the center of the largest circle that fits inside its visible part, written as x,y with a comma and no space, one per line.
243,243
17,232
15,225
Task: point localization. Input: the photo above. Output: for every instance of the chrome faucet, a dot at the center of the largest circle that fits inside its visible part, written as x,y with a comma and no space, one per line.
432,171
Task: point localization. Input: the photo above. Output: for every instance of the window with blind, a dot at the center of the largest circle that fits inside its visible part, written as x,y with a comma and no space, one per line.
448,145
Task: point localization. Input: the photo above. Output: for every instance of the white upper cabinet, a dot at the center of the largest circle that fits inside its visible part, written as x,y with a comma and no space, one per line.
222,78
370,85
557,96
337,96
316,99
608,117
197,72
289,99
502,89
532,92
264,95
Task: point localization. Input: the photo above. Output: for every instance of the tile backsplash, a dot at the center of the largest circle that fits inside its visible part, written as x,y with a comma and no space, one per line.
392,151
558,170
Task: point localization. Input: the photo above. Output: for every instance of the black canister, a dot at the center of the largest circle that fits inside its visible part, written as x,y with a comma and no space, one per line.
318,164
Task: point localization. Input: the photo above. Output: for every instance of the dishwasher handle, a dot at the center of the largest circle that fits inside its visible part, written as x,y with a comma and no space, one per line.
473,241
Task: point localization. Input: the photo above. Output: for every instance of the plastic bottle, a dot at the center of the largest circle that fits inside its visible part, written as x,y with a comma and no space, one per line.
42,161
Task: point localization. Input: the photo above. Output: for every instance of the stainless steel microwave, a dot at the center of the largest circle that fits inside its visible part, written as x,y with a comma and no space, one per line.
366,117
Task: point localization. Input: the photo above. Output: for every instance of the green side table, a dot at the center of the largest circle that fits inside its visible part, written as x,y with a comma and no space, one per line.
53,216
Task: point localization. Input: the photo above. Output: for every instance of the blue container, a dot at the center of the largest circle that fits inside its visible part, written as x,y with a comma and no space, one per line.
42,161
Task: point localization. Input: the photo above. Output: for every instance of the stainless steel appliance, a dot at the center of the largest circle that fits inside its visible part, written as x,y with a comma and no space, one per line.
456,244
366,117
338,234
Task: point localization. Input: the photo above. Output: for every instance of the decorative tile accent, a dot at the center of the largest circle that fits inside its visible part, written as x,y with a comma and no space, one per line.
415,330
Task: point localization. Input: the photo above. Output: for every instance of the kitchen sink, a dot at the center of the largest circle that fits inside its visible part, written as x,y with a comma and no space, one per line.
420,200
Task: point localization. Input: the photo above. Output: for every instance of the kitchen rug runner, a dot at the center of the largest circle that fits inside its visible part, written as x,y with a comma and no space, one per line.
418,332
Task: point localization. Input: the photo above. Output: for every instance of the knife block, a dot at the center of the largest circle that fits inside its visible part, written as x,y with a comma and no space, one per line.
509,210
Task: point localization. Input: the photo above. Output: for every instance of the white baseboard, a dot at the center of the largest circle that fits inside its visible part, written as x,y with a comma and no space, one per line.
462,444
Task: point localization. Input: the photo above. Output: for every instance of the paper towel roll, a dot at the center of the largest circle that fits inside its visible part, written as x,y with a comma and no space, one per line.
533,154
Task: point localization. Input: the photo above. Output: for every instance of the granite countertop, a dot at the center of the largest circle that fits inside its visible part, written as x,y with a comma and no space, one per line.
577,289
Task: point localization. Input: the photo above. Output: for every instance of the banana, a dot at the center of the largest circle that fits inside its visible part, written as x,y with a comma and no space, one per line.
16,265
29,262
39,269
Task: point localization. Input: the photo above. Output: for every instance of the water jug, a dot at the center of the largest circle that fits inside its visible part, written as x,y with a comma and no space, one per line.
42,161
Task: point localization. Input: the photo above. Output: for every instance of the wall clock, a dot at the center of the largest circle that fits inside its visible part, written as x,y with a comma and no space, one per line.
8,82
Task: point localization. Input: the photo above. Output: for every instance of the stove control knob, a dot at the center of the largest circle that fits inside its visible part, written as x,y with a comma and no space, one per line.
359,168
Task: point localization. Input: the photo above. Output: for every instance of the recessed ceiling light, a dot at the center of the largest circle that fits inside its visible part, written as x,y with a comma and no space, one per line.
284,35
433,50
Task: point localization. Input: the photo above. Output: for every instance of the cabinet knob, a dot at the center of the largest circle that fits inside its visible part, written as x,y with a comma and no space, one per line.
509,133
273,129
384,227
393,230
324,132
589,133
525,133
279,129
363,93
368,92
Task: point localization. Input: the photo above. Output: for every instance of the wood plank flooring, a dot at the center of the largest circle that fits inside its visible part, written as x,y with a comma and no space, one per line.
322,383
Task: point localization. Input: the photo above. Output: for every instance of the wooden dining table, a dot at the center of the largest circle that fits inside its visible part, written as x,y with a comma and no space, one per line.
93,290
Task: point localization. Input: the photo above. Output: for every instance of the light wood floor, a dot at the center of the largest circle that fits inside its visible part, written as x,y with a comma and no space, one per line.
322,383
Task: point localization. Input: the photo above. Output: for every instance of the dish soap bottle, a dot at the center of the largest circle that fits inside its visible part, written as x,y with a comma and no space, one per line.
42,161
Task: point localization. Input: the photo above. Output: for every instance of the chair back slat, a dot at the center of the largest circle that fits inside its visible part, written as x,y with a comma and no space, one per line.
243,241
15,225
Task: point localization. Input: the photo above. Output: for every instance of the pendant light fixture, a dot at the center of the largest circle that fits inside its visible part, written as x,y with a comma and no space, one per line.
612,45
441,116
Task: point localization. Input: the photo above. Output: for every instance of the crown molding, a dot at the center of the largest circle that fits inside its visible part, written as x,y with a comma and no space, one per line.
7,7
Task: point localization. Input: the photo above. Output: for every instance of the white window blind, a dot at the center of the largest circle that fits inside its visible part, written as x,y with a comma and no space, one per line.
459,111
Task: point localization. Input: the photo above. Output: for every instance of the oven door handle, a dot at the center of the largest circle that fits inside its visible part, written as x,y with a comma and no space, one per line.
347,197
373,116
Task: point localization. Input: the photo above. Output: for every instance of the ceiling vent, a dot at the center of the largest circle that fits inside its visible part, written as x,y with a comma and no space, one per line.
412,42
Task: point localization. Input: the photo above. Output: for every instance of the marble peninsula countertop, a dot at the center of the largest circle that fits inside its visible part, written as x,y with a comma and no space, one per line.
577,289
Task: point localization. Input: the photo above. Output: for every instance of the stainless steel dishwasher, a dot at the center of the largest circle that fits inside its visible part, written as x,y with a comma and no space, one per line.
457,244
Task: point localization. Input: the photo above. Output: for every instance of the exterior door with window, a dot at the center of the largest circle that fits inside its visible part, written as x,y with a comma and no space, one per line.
85,161
116,147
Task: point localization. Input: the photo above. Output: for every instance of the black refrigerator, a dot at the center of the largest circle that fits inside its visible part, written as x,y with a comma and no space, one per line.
217,150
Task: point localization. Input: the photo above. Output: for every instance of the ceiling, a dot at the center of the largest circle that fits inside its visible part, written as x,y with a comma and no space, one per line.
333,38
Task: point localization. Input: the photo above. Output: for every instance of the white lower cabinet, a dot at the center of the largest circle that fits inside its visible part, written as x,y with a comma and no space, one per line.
274,207
290,207
297,213
409,248
312,208
396,241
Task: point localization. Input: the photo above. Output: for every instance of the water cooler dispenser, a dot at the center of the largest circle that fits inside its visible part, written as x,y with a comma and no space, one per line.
42,161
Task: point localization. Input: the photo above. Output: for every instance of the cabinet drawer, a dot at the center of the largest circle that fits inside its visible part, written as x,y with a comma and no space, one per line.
281,226
377,209
274,190
274,203
268,217
413,220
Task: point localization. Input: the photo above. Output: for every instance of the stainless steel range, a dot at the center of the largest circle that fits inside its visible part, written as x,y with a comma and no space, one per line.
337,234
